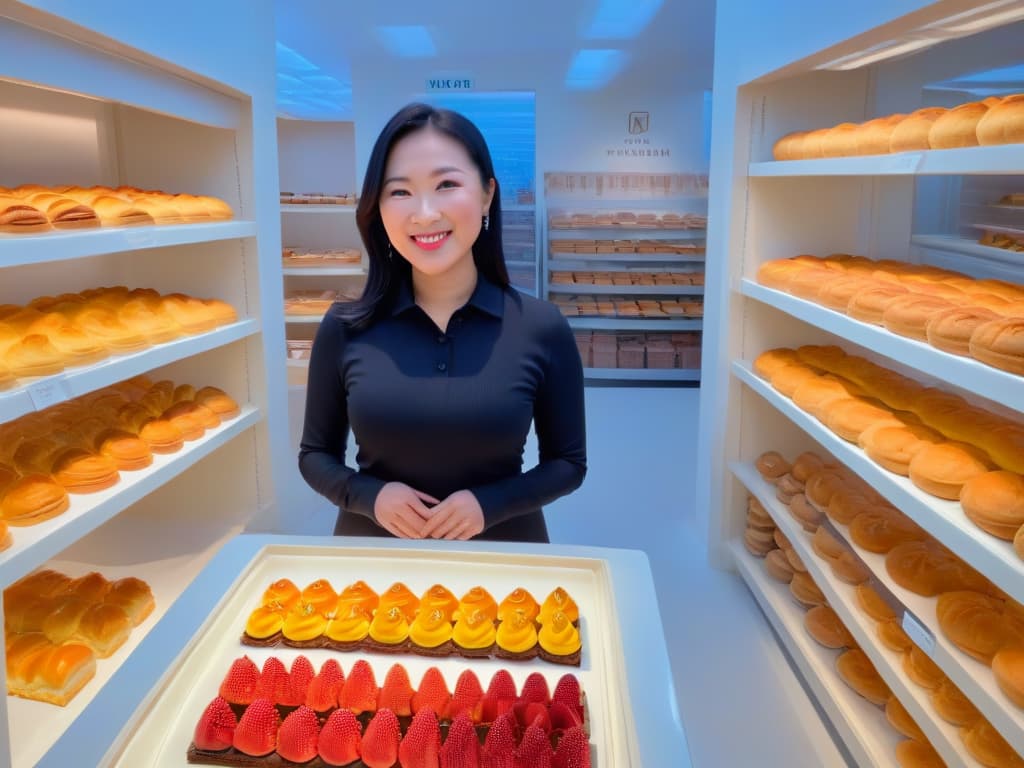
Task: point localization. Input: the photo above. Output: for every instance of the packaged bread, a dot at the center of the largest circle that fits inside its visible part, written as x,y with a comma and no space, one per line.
1003,123
911,133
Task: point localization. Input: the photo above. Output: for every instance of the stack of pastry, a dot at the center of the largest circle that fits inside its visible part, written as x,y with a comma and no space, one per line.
82,445
309,302
318,198
435,624
983,319
55,628
995,120
52,333
623,306
277,716
319,257
610,247
630,278
947,446
37,208
626,219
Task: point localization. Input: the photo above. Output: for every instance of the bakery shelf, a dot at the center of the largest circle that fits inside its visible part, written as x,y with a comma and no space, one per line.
944,520
842,598
346,271
518,207
49,390
34,545
862,726
634,324
40,725
970,675
61,245
520,264
304,208
627,290
956,244
567,260
992,383
643,374
625,233
300,319
1003,159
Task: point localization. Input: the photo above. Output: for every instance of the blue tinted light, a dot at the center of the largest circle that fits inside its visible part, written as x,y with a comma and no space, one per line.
593,68
411,42
290,60
621,19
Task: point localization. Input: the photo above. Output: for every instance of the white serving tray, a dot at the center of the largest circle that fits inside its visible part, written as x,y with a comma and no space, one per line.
161,731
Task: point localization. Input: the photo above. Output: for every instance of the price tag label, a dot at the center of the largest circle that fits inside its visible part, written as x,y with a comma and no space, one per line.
922,638
49,392
902,162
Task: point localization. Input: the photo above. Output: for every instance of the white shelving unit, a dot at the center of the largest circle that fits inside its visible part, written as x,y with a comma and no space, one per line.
340,210
883,207
84,109
349,271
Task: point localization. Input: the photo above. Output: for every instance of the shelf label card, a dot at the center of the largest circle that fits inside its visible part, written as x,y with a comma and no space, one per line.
902,162
49,392
922,638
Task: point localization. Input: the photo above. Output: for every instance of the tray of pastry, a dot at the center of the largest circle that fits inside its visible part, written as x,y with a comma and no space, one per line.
164,731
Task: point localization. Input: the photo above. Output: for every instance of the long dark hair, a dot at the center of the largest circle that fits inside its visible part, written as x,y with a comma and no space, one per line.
387,271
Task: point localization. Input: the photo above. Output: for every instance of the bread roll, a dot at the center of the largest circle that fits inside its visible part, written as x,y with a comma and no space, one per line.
1003,123
974,623
758,543
781,541
892,635
941,469
952,706
32,499
806,283
786,488
777,566
827,546
1000,343
988,747
45,672
994,501
951,329
771,466
811,147
845,505
880,530
1005,444
922,670
82,471
912,132
1018,543
779,273
927,568
219,402
859,673
816,394
804,589
901,720
758,518
875,135
870,600
840,140
869,306
849,418
957,127
788,147
768,362
805,465
808,517
909,315
161,436
836,294
912,753
825,626
794,560
133,596
822,486
104,628
849,569
894,446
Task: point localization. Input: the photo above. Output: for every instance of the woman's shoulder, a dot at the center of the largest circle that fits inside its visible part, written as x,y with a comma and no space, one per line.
538,314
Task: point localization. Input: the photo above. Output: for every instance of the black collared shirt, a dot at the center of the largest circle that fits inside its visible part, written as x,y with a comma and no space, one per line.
444,411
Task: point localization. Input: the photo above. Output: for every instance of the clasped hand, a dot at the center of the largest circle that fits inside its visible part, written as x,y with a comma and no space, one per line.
403,511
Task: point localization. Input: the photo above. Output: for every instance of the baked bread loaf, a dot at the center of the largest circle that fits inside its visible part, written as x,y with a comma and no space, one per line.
776,564
874,136
911,133
893,446
825,626
922,670
837,293
985,744
817,394
869,305
994,501
901,720
882,529
892,635
909,315
1000,343
957,127
804,589
38,669
873,604
941,469
859,673
1003,123
771,466
789,146
1005,444
849,418
840,140
912,753
974,623
951,329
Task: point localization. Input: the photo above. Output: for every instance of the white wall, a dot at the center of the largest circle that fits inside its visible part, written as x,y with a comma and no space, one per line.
316,156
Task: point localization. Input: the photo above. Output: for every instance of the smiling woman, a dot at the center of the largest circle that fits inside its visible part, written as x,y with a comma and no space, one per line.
440,368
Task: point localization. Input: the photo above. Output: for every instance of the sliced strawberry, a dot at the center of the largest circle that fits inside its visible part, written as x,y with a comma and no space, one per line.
567,690
432,694
256,734
467,697
461,748
563,718
573,750
359,694
502,686
396,693
535,689
298,681
215,730
421,745
323,690
274,679
340,739
380,742
297,737
499,747
532,713
501,695
534,750
239,685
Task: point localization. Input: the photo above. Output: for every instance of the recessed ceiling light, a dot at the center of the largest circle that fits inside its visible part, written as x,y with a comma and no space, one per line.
621,19
408,42
593,68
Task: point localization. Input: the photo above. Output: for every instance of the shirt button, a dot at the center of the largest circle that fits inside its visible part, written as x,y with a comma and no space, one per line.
442,366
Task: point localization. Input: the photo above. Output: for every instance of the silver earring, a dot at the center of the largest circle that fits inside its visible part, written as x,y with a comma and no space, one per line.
487,222
390,252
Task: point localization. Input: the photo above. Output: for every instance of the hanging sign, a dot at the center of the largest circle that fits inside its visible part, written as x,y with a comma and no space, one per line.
450,83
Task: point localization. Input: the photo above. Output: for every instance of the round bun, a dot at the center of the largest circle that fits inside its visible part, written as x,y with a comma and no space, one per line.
805,465
874,136
957,127
911,133
892,635
32,499
941,469
777,566
881,529
850,569
1000,343
789,146
846,504
771,466
849,418
994,501
825,626
808,517
804,589
909,315
873,604
1008,667
827,546
859,673
893,446
952,706
974,623
988,747
951,329
901,720
927,568
1005,444
836,294
918,754
869,306
1003,123
817,394
922,670
822,486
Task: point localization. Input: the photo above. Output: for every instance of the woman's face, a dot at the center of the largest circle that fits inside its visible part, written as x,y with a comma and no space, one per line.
432,202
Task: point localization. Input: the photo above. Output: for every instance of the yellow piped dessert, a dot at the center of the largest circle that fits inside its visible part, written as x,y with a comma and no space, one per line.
518,601
321,595
430,629
477,599
282,591
390,626
516,633
401,597
265,621
474,631
559,637
303,623
358,594
439,598
558,601
350,626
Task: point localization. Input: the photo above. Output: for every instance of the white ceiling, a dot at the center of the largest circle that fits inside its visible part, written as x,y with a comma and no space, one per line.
675,41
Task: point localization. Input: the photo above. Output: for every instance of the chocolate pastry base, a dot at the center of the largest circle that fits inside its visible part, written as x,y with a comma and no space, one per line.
317,642
369,644
569,660
262,642
444,650
526,655
474,653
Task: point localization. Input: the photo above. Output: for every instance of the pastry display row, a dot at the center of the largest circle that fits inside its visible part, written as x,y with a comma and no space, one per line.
437,624
263,717
639,350
310,301
623,306
82,445
55,628
605,247
52,333
976,617
319,257
299,349
995,120
983,319
630,278
317,198
626,219
621,186
31,208
947,447
782,563
996,238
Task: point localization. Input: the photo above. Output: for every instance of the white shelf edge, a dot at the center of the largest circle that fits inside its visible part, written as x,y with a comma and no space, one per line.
34,545
299,319
643,374
62,245
626,290
841,597
306,208
944,520
75,382
992,383
353,271
635,324
1003,159
861,725
955,244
